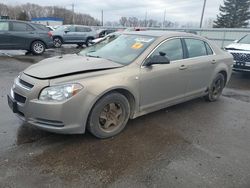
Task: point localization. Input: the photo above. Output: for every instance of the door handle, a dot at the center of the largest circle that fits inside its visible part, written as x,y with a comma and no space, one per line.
31,32
213,61
6,33
183,67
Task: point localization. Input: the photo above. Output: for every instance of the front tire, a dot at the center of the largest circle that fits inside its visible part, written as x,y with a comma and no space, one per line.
79,45
216,88
37,47
109,115
88,42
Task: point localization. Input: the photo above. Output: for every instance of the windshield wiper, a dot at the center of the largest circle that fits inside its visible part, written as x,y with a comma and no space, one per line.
95,56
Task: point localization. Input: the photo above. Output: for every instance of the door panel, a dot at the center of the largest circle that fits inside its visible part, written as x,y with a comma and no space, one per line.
199,72
162,84
21,34
200,65
82,33
70,36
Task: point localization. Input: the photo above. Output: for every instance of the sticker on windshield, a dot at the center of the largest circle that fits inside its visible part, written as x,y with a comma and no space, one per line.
137,45
146,40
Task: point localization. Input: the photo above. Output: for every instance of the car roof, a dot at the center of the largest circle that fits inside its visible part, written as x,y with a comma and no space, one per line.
75,25
157,33
9,20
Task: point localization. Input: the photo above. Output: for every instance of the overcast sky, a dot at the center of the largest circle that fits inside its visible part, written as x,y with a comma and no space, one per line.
176,10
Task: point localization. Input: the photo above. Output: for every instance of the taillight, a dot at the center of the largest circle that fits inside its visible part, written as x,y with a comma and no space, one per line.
50,34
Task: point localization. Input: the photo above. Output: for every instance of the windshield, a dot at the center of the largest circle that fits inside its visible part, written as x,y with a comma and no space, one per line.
100,44
124,49
245,40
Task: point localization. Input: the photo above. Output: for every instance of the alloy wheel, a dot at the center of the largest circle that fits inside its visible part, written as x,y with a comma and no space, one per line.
38,48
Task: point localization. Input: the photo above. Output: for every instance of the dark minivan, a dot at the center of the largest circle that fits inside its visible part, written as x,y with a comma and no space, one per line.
20,35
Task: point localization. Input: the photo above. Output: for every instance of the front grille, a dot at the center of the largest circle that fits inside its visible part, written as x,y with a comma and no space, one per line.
240,66
19,98
241,57
26,84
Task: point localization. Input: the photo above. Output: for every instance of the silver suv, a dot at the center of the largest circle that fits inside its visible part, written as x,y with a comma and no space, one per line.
73,34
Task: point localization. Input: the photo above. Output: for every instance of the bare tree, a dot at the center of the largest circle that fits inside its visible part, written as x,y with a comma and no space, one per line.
123,21
34,11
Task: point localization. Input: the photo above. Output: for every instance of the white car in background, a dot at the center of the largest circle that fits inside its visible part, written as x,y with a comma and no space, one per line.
240,50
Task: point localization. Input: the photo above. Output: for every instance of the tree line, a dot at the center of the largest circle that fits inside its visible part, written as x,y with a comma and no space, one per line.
28,11
233,14
135,22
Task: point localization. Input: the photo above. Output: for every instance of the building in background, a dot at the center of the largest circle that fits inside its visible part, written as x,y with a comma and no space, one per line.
4,17
48,21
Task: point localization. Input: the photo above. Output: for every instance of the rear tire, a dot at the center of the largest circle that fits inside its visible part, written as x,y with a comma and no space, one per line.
57,42
216,88
37,47
109,115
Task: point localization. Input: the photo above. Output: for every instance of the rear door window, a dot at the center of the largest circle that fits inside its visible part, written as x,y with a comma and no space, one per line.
195,48
4,26
16,26
82,29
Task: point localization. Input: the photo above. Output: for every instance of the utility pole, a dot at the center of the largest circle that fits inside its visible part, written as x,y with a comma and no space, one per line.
146,15
202,14
164,19
102,17
73,12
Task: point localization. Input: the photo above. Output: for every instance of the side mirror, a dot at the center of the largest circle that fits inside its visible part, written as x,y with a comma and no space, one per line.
66,31
157,59
236,41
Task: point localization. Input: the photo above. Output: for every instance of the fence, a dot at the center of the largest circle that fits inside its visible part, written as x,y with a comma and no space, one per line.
222,37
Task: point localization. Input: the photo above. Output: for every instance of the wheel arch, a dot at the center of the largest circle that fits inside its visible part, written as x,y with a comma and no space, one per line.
123,91
224,73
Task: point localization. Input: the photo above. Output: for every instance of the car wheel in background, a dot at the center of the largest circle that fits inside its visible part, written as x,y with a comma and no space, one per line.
88,42
215,90
109,115
37,47
57,42
79,45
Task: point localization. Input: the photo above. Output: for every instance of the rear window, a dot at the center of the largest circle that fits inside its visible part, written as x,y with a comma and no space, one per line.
4,26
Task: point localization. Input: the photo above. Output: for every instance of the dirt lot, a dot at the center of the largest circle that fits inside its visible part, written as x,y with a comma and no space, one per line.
195,144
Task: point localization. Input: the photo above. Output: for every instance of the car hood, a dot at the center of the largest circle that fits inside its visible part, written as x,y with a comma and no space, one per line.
68,65
238,46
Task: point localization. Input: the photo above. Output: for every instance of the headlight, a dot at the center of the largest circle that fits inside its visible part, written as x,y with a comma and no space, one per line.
60,92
